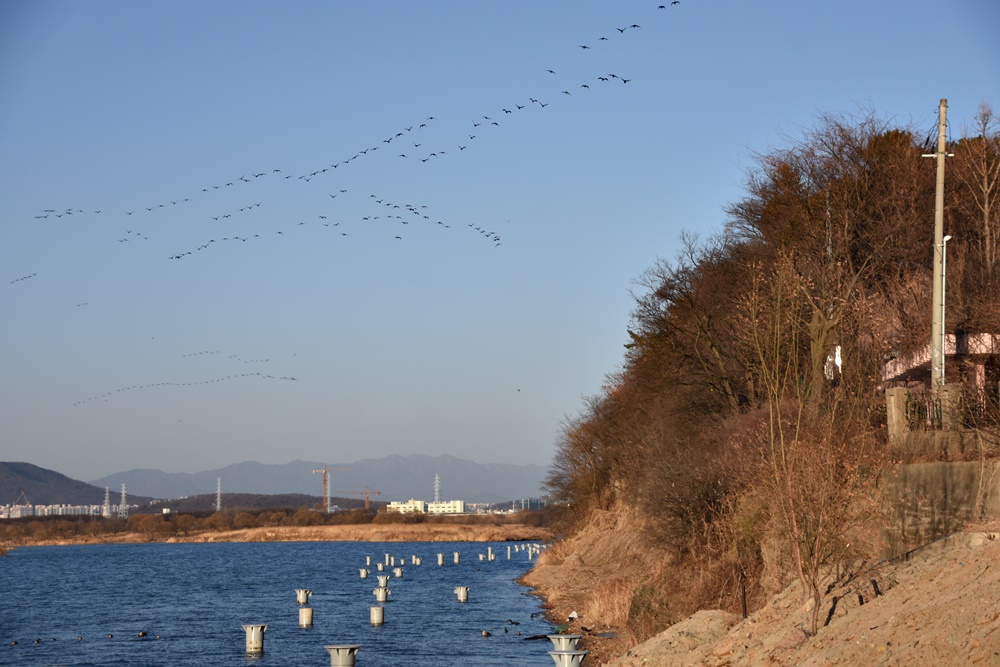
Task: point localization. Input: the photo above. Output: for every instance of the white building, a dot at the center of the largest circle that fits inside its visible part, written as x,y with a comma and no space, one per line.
436,506
446,507
411,506
21,511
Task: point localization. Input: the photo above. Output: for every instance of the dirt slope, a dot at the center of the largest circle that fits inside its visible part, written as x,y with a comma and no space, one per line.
940,607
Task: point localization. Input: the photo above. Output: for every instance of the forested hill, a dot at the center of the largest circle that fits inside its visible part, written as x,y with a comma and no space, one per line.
24,483
747,426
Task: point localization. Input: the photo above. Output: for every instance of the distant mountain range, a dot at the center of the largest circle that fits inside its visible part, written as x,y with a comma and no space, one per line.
24,484
395,477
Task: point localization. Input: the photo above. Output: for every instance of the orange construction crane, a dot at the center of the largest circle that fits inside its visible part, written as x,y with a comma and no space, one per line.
364,493
326,485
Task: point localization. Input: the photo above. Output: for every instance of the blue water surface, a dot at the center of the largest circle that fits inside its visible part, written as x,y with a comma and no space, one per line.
197,597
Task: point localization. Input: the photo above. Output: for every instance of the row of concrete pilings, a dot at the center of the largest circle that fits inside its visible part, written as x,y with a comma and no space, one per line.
565,653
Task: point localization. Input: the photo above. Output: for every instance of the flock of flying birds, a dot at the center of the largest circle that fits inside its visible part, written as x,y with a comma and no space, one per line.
403,144
106,396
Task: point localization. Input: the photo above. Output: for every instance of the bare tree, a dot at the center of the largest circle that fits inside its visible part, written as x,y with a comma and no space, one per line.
976,205
818,464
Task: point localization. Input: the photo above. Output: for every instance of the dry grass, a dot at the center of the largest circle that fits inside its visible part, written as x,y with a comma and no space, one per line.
610,602
345,533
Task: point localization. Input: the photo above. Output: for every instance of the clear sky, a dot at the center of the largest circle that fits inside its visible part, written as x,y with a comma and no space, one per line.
213,249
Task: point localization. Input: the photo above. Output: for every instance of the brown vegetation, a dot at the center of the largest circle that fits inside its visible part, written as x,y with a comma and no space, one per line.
276,526
744,437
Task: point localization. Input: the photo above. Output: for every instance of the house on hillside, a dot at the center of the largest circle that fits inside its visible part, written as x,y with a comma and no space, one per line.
971,392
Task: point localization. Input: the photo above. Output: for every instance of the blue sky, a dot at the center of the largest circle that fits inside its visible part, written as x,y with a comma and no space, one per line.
116,354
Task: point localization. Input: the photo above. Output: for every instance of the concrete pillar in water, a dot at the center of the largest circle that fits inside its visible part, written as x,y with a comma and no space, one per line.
568,658
302,595
343,655
377,615
368,561
364,573
387,559
392,561
397,572
565,642
381,594
255,637
305,617
440,560
456,558
463,593
482,556
508,553
414,559
383,580
380,566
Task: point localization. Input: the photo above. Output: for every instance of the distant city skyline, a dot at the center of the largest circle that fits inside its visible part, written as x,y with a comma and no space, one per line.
323,231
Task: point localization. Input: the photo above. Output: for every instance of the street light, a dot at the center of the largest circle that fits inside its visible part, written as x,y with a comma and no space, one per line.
944,339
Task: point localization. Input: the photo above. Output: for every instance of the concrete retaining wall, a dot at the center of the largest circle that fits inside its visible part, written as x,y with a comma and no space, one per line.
929,501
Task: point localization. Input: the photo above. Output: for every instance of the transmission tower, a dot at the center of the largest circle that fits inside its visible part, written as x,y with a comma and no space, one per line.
123,506
437,488
106,508
218,494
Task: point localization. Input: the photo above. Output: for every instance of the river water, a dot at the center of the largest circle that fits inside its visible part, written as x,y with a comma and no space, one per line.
197,597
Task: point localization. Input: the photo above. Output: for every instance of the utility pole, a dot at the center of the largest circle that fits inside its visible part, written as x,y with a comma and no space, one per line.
937,294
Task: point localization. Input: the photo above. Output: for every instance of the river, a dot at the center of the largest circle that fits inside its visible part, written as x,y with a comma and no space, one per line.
88,605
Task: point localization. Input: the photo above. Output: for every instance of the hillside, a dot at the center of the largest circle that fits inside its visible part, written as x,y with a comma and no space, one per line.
255,501
937,608
746,441
934,606
26,483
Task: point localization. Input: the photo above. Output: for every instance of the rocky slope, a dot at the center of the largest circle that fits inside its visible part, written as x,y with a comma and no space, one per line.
936,607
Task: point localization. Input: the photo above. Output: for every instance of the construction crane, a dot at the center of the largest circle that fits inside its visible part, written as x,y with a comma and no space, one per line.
366,493
326,484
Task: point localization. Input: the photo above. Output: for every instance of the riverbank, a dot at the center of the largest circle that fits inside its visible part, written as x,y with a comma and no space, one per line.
937,606
418,532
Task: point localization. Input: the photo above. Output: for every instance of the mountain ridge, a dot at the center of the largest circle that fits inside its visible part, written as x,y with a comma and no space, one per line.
396,477
27,483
